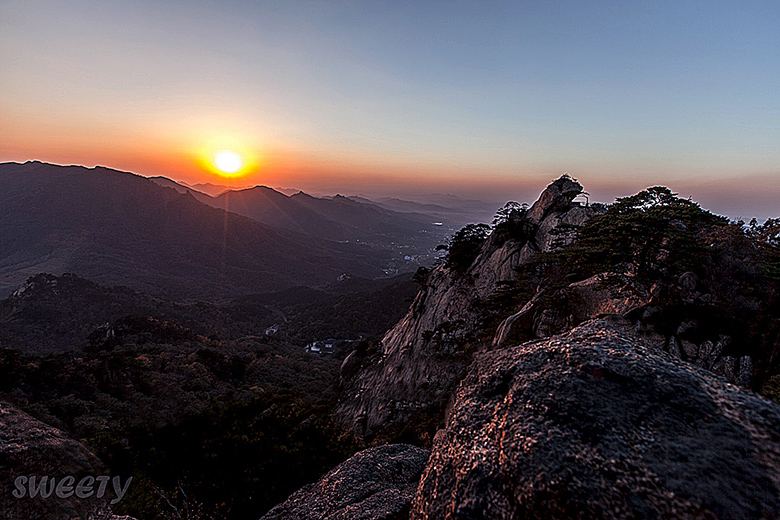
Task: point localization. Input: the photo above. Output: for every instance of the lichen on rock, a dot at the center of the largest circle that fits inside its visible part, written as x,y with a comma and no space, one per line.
596,424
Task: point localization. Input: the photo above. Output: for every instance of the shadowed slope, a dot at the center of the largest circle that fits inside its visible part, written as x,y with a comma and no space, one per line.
119,228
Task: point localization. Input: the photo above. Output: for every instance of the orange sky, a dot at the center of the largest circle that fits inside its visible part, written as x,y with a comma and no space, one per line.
745,196
489,100
187,156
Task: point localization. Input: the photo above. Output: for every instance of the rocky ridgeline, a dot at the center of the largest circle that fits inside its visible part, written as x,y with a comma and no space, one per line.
424,356
622,416
593,423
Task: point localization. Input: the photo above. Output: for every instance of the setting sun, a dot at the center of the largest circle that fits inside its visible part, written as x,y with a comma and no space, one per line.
228,162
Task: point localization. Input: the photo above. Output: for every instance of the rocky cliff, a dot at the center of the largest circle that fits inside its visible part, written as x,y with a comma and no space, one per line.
637,414
425,354
705,321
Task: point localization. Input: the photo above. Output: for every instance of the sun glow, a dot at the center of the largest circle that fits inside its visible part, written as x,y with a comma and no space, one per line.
227,157
228,162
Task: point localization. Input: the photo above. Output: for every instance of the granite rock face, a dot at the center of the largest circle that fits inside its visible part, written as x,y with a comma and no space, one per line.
596,424
424,355
29,447
605,295
622,295
601,295
374,484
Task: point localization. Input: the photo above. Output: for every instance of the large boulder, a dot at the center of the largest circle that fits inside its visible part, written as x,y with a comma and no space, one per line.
605,294
596,424
375,484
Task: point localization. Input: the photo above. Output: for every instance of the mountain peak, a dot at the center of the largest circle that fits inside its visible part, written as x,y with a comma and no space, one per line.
558,193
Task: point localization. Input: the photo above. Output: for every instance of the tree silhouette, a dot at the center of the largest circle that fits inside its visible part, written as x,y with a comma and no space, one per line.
463,247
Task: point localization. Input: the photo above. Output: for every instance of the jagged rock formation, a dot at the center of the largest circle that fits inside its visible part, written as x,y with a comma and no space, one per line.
611,294
600,295
425,354
375,484
595,424
29,447
620,417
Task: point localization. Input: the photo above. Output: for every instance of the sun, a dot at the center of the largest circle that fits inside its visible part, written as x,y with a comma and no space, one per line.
228,162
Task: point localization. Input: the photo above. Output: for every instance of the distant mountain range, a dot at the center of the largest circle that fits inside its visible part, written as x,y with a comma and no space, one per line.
336,218
448,210
208,188
118,228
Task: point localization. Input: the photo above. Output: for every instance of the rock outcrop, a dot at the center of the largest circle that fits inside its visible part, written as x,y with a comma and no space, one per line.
622,295
424,356
596,424
426,353
28,448
620,417
598,296
605,295
375,484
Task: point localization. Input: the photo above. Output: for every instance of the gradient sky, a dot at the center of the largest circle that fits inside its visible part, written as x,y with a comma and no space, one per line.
489,99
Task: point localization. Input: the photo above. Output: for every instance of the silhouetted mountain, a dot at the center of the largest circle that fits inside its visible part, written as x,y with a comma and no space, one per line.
169,183
118,228
210,189
401,226
408,206
165,182
448,200
452,213
369,220
276,209
337,218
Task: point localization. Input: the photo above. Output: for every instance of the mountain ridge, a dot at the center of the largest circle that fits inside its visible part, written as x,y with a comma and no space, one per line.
118,228
337,218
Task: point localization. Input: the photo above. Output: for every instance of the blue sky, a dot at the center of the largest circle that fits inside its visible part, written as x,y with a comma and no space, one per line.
337,95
